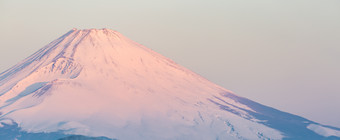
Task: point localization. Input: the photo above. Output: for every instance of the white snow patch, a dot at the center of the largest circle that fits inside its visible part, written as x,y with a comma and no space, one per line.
6,121
323,130
73,127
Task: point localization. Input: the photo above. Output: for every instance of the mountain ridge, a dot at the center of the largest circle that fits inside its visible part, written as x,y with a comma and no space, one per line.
96,82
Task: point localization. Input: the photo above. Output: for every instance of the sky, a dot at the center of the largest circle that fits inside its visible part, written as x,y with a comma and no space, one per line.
283,54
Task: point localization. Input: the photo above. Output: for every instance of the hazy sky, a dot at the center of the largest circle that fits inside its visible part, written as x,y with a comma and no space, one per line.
281,53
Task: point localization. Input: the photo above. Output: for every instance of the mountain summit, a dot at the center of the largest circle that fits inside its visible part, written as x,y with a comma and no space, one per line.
96,82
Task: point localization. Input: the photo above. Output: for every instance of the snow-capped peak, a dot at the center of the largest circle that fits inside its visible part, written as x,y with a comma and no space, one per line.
96,82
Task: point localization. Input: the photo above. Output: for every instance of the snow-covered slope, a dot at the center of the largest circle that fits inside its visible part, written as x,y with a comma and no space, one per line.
96,82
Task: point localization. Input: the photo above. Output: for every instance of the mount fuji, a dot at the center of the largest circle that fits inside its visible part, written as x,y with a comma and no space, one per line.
98,84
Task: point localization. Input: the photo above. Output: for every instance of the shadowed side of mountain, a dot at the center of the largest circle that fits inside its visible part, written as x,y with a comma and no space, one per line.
293,126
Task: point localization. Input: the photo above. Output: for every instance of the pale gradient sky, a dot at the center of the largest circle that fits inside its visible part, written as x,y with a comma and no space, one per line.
281,53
